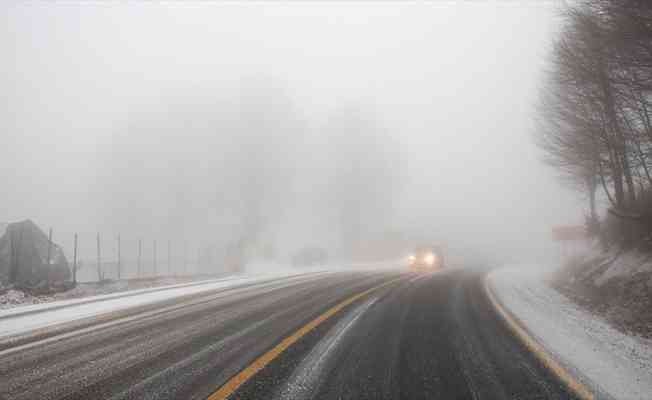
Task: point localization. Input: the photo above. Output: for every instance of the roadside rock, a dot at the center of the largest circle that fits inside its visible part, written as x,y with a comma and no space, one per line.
24,258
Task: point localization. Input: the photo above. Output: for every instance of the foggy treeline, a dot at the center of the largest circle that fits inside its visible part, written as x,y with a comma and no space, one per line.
243,174
595,114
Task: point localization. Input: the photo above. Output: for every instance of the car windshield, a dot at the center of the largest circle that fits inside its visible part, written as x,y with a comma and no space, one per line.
230,199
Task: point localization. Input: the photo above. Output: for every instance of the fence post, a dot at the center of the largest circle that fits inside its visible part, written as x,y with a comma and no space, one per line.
119,259
12,257
99,260
198,260
140,251
49,266
18,251
154,257
185,258
74,263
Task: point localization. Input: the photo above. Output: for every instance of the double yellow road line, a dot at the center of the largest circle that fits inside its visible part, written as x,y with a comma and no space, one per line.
530,343
243,376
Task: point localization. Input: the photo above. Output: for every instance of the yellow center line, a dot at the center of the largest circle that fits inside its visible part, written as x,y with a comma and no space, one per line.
235,382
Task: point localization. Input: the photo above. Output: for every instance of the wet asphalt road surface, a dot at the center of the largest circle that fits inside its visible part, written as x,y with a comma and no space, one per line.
425,336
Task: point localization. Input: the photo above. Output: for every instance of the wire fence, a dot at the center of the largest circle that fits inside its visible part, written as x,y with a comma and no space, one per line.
113,257
36,260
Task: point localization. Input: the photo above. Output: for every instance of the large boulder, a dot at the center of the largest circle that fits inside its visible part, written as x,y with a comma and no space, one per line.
24,257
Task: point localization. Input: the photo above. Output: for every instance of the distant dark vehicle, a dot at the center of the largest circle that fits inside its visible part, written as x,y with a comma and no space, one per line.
309,256
426,259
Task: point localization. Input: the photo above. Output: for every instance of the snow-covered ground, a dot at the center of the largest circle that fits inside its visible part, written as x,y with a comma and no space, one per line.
17,298
24,319
608,361
602,266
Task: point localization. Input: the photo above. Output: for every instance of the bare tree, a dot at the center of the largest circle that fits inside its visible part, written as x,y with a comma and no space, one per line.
594,121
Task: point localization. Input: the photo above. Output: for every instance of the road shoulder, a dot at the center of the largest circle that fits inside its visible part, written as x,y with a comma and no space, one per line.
592,358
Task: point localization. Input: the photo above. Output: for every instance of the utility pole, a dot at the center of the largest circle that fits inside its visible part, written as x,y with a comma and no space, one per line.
74,263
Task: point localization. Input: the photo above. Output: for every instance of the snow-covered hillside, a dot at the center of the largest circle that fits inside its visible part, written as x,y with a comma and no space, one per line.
616,284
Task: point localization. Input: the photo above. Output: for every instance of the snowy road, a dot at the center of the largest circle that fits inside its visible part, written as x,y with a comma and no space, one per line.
344,335
27,324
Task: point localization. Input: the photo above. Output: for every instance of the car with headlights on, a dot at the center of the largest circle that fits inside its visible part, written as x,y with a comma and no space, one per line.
425,259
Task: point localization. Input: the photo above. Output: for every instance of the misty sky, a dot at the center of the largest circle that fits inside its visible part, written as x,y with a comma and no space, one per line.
109,111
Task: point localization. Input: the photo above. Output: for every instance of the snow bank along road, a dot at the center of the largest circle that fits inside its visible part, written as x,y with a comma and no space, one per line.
344,335
608,363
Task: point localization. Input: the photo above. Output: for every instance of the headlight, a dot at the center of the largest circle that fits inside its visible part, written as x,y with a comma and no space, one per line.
429,259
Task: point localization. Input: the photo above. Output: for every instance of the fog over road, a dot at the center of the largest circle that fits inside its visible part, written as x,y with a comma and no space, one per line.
411,336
